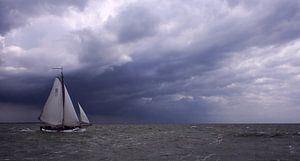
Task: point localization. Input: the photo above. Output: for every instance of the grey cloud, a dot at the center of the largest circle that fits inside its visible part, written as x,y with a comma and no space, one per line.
14,13
134,22
93,48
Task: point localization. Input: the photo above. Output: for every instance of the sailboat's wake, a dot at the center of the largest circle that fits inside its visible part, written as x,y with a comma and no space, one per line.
82,130
74,130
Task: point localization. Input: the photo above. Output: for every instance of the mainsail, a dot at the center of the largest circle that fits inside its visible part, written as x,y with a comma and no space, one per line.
53,109
83,117
59,110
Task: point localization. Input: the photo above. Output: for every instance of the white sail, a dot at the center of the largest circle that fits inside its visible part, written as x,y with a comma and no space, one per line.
53,109
70,116
83,117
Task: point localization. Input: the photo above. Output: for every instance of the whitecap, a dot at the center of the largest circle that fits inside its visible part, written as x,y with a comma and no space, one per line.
26,130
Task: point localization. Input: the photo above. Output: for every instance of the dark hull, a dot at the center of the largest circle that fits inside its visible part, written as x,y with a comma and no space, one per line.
60,128
85,125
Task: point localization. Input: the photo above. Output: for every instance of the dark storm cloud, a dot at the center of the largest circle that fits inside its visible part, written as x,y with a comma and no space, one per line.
14,13
169,69
181,62
128,94
29,90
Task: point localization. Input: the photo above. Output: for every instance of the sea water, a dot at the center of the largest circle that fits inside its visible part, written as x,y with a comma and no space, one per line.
203,142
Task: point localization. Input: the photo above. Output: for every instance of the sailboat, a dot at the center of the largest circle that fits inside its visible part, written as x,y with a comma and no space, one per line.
58,113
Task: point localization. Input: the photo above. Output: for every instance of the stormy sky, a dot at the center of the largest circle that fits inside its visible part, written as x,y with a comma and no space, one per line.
153,61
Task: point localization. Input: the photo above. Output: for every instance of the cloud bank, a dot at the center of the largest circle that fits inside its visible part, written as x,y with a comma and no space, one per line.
153,61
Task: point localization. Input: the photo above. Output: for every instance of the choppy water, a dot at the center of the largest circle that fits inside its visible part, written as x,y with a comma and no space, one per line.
203,142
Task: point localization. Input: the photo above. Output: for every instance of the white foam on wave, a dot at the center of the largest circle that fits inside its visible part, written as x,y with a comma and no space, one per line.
208,156
291,149
26,130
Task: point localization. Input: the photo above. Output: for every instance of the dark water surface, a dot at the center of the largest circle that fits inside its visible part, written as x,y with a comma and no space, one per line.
204,142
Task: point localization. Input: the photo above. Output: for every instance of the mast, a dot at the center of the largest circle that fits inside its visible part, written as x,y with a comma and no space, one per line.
63,95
